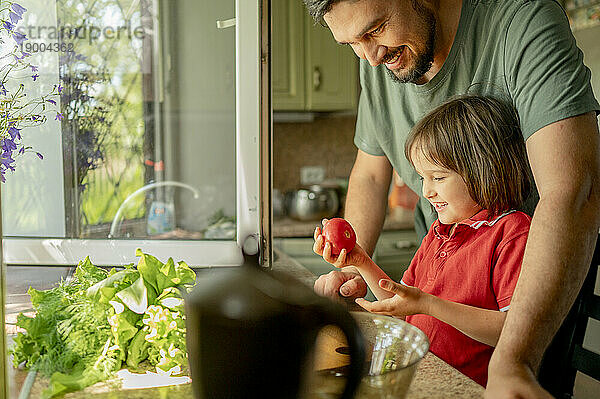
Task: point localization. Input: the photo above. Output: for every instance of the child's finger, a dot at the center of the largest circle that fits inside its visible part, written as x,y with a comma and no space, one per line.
327,253
391,286
372,307
318,245
379,307
317,232
363,303
341,260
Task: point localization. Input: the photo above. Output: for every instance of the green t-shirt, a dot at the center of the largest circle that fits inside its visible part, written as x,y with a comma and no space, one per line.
518,50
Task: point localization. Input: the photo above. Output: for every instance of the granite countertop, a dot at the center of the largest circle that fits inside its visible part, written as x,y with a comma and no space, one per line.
434,378
286,227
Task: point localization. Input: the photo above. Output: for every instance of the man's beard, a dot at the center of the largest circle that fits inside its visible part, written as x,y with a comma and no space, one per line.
424,60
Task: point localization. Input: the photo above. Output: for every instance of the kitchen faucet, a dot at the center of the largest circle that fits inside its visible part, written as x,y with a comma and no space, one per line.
117,219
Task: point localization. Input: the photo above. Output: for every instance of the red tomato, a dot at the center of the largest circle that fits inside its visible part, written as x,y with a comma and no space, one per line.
340,234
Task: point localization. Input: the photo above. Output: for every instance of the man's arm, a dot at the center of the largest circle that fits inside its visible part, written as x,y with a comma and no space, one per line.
366,200
564,158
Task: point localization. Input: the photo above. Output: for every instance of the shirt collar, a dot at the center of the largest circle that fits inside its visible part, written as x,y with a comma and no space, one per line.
481,218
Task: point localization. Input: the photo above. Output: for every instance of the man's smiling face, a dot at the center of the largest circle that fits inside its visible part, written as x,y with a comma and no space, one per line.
397,33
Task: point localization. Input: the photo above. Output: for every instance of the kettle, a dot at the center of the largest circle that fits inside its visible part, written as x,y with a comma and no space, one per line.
251,333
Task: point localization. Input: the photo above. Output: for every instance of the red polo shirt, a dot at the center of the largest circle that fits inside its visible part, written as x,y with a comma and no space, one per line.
477,265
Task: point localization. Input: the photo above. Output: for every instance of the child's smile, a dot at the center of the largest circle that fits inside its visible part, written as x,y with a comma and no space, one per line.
439,206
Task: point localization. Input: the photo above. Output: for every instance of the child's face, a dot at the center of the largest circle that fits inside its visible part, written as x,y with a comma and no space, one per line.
446,191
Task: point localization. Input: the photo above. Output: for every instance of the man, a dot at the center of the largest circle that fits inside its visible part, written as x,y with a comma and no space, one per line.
416,54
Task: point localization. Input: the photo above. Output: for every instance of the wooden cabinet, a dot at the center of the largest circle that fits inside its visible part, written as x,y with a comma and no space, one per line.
309,70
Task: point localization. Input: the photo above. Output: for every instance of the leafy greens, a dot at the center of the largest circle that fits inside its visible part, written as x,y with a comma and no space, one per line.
87,328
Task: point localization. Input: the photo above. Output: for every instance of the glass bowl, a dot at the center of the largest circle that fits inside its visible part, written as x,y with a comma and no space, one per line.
393,351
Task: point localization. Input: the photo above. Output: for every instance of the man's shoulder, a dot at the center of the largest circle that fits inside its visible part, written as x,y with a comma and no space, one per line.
503,7
504,13
509,11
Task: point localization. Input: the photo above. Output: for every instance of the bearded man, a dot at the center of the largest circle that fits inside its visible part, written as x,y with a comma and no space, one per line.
415,54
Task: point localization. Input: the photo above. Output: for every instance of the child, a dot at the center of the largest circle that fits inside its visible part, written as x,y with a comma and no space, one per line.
471,157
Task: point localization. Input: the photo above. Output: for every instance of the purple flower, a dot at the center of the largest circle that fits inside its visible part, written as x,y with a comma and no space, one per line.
19,38
18,9
35,77
8,25
8,145
33,68
23,55
3,90
14,132
58,117
40,156
59,88
22,150
7,160
14,18
51,102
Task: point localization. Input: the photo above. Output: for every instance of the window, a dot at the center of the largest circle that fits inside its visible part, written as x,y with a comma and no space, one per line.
158,144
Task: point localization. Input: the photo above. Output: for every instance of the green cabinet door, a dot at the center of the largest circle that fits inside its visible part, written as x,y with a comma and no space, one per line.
287,54
332,71
309,70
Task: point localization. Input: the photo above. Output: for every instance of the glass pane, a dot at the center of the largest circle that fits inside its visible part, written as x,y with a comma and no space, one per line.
137,131
142,141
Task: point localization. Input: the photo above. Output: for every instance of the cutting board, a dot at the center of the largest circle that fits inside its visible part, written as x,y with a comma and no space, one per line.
331,349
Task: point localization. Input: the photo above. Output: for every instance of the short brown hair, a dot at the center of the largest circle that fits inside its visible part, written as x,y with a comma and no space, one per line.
318,8
480,139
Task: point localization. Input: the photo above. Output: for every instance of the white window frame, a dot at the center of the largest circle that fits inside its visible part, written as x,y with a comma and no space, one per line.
201,253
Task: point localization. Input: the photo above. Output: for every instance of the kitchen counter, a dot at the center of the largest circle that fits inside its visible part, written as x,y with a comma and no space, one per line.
434,378
287,227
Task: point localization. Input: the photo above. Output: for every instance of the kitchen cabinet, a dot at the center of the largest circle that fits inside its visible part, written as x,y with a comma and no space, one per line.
393,252
310,71
582,14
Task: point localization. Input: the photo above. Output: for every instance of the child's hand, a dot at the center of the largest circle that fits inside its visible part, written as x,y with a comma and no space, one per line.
406,301
322,247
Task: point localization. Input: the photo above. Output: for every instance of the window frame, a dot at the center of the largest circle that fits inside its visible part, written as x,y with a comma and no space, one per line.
200,253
